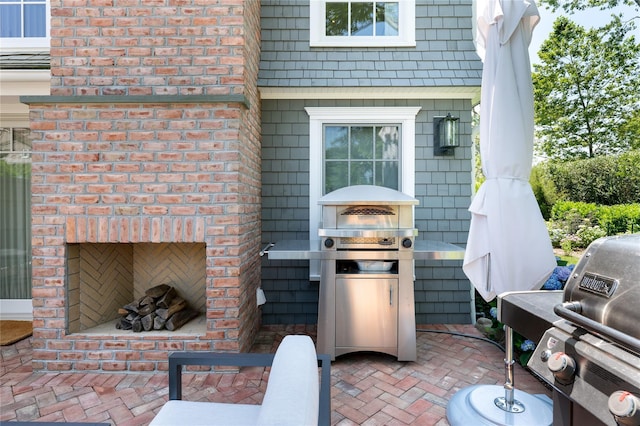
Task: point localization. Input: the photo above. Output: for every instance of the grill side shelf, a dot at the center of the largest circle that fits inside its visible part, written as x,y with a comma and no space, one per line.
295,250
310,249
437,250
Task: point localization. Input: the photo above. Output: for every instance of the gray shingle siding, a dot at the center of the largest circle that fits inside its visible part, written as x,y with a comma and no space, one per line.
443,188
444,54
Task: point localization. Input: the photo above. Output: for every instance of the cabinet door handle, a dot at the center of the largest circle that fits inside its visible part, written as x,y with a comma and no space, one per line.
390,294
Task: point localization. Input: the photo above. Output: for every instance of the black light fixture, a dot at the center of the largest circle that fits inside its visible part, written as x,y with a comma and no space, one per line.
445,135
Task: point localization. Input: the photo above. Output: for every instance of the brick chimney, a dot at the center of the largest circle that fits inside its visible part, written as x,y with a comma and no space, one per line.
148,146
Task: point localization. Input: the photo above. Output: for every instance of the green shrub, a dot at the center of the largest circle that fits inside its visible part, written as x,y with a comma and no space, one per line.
587,234
619,219
564,210
568,244
605,180
628,173
556,233
576,233
544,190
576,225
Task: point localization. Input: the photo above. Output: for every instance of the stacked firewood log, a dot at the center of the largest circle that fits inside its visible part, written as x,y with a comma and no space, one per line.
160,308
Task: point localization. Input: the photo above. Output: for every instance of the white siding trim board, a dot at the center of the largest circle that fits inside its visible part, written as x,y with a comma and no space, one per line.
443,92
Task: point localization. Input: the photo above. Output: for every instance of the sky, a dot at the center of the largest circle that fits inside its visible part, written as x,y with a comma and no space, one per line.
589,19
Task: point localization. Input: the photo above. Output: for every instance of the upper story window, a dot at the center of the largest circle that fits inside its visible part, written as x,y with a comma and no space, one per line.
24,24
347,23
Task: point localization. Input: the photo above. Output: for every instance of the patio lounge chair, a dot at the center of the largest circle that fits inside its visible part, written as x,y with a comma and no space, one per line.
294,395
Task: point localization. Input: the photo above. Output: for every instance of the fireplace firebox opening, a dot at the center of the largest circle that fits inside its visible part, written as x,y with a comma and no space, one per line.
103,277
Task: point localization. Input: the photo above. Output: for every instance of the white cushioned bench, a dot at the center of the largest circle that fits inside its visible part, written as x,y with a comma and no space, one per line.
294,396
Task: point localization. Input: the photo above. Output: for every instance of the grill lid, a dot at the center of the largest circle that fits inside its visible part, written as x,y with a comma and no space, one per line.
605,285
366,195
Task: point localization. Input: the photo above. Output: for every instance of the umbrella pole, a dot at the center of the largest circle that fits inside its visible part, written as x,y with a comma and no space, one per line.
470,404
508,403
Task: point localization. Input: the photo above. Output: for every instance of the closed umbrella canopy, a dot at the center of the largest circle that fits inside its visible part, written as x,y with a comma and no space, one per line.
508,247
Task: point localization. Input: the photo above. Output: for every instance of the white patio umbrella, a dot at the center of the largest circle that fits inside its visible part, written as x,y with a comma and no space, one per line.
508,247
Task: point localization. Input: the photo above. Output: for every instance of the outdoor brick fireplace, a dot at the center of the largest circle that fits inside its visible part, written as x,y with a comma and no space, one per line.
145,170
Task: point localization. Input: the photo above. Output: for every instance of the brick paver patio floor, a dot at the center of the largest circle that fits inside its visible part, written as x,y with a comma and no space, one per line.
367,388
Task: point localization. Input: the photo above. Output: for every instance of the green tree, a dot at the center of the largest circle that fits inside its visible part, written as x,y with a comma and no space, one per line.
573,5
587,90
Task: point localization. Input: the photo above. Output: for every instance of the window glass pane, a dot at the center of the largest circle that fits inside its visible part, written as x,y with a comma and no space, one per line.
15,217
366,19
387,19
336,142
387,174
5,139
21,141
361,173
336,175
387,141
361,19
10,18
362,142
337,19
34,20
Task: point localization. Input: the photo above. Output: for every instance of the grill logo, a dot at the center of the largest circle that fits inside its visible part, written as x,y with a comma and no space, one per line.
597,284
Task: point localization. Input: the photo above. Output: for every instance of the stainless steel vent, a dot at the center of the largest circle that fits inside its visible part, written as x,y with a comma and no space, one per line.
367,211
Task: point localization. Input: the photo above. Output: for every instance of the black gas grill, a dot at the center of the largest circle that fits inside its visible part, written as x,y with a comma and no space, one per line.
588,335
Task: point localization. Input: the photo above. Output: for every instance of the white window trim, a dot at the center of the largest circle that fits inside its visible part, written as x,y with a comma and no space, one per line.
30,44
318,116
16,309
405,38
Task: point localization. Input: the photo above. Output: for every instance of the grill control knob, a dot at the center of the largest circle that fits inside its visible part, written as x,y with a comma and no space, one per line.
562,366
328,243
544,356
625,407
406,243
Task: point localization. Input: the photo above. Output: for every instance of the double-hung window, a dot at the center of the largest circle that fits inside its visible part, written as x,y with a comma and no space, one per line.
361,154
24,24
358,146
346,23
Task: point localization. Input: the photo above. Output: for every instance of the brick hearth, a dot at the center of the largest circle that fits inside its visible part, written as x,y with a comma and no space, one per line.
150,138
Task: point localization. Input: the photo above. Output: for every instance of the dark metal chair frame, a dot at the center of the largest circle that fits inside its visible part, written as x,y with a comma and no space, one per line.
179,359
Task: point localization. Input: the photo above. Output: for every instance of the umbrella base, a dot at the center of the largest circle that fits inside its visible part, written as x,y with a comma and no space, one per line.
477,405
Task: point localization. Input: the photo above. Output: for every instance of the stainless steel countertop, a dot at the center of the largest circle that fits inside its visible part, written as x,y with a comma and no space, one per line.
295,250
437,250
530,313
310,249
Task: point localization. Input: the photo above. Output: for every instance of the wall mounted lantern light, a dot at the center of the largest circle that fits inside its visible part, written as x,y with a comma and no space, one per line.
445,134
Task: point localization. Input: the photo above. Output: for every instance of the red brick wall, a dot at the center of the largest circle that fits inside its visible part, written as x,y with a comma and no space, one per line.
148,47
250,180
153,169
